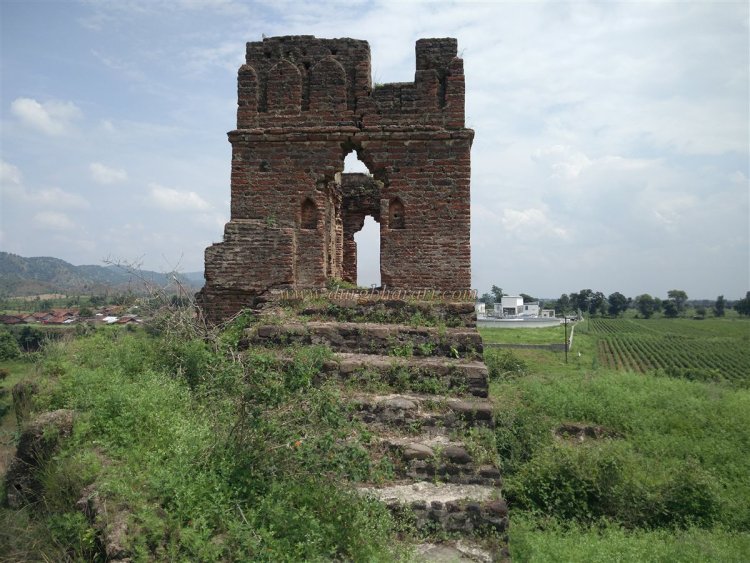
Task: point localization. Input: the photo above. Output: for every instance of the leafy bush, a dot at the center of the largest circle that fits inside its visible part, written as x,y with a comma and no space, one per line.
312,519
72,532
8,346
504,364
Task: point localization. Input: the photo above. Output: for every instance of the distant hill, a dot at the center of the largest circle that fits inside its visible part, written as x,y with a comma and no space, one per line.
21,276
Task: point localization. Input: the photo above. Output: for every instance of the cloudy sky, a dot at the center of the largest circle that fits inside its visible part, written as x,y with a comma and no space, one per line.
611,147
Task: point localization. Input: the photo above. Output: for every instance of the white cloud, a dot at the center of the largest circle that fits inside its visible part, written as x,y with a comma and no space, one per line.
229,7
103,174
56,197
228,55
12,188
9,174
108,126
53,220
176,200
531,224
738,177
53,117
124,68
563,161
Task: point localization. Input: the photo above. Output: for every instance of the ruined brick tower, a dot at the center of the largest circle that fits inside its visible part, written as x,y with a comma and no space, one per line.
303,105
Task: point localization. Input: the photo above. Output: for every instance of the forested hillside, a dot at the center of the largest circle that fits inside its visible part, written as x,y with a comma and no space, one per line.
21,276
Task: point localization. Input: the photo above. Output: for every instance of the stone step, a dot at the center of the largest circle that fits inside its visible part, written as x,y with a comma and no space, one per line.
464,509
436,458
453,551
423,413
372,338
425,375
393,311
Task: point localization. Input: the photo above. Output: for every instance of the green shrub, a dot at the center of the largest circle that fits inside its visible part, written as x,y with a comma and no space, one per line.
581,483
312,519
691,497
504,365
520,432
63,480
665,467
9,349
72,531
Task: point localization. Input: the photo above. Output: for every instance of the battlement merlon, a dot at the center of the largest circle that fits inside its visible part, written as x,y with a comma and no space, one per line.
302,82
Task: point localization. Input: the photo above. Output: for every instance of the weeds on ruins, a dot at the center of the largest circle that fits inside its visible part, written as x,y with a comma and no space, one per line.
200,451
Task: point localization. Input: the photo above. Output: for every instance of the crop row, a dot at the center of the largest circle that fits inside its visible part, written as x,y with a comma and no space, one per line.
689,328
714,359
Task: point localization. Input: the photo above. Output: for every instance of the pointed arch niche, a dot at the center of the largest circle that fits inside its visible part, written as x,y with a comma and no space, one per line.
396,214
308,215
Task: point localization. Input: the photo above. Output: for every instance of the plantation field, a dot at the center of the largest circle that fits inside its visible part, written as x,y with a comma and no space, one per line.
708,350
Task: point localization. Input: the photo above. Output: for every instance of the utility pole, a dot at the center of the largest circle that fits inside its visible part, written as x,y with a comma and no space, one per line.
566,339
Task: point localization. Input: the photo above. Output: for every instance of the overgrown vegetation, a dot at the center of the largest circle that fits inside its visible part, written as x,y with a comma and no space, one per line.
668,467
207,455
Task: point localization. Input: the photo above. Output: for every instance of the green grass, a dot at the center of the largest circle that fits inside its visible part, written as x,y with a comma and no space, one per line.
547,335
669,484
547,540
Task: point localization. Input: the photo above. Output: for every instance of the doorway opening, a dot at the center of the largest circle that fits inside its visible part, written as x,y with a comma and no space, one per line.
368,253
361,222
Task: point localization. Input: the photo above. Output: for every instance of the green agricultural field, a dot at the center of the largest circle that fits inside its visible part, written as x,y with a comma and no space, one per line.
664,478
710,350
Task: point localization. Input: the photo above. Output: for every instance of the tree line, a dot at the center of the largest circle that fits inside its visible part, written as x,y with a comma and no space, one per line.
596,303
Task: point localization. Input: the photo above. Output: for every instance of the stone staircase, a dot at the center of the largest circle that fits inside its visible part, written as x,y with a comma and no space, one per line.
413,373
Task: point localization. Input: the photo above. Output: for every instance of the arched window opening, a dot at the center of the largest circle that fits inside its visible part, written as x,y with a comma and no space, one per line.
396,218
309,215
352,164
368,253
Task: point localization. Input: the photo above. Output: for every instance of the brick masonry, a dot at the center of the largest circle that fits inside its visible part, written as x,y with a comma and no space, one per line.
303,105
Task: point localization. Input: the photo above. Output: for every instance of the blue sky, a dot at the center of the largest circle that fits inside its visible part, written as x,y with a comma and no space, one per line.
611,147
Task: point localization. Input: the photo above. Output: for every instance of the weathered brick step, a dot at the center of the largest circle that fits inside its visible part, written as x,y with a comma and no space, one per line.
454,551
372,338
465,509
426,375
425,413
393,311
435,458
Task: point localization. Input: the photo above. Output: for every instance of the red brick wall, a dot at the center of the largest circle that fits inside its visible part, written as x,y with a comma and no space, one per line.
303,104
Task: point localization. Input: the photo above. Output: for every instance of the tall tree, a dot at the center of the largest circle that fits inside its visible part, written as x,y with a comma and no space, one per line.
582,299
598,304
670,309
528,298
497,292
618,303
719,306
679,298
743,305
646,305
563,304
